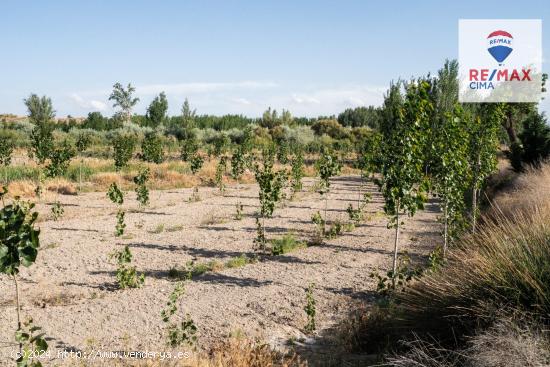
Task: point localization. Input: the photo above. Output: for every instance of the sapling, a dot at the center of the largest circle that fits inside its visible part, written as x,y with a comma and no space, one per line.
19,245
151,148
282,151
6,150
320,228
220,144
297,173
310,309
238,164
126,275
141,188
221,167
57,210
326,167
123,148
117,197
450,171
60,157
186,331
403,183
82,143
189,148
196,164
271,186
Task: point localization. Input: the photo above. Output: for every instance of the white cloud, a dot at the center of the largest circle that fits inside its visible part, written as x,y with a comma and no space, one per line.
304,99
241,101
197,88
91,104
249,98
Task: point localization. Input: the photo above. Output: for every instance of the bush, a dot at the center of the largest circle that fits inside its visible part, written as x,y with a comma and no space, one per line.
152,148
329,127
123,146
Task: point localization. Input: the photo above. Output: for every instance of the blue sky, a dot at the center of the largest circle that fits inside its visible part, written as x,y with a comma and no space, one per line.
311,57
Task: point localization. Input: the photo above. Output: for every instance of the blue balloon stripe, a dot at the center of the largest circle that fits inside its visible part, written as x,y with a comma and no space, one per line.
500,53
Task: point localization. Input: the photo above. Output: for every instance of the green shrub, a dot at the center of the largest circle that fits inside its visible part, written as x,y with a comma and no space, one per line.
152,148
285,244
123,146
237,262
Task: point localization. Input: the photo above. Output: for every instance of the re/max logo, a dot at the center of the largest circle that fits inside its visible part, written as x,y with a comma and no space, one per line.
487,75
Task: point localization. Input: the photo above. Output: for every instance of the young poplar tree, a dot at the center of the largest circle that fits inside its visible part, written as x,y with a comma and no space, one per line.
450,172
19,245
271,184
484,140
156,112
403,184
82,143
238,163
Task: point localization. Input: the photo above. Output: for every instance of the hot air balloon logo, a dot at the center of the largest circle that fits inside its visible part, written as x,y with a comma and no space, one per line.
500,45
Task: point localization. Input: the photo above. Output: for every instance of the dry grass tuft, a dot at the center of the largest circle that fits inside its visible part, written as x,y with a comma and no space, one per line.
104,179
508,344
23,188
231,353
505,265
503,344
61,186
527,192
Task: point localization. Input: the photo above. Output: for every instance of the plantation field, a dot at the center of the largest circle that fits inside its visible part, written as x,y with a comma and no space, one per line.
72,293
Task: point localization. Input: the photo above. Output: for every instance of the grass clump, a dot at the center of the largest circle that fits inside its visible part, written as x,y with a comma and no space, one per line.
285,244
238,261
158,229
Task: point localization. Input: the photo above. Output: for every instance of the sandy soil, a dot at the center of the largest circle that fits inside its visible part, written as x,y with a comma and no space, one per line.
71,290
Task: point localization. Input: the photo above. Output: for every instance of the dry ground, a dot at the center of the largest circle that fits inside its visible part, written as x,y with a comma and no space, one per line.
71,290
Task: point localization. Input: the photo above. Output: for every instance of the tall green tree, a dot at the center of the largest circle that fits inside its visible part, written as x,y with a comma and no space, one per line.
156,112
450,174
124,99
188,116
41,114
535,140
403,184
483,131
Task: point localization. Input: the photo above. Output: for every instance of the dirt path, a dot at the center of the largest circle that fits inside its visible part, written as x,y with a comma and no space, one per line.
71,293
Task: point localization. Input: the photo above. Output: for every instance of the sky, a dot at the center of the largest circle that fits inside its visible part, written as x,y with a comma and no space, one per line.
310,57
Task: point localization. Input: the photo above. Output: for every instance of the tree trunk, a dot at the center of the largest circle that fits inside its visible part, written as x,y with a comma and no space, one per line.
80,176
510,129
18,309
396,243
474,194
446,229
